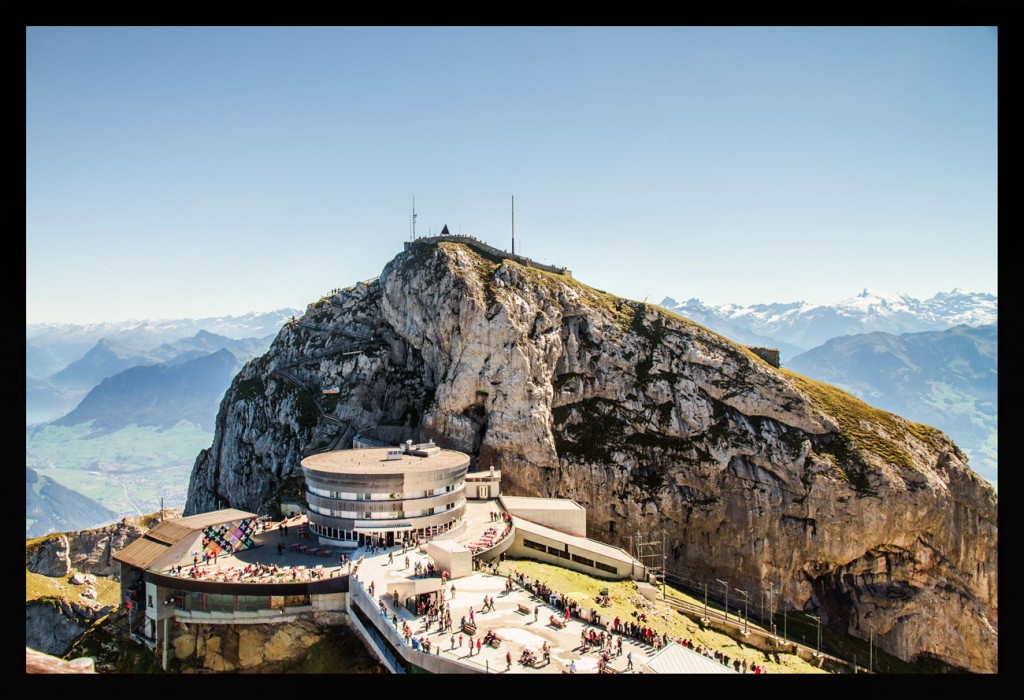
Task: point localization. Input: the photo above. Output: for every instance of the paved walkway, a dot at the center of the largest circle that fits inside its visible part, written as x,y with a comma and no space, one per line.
517,630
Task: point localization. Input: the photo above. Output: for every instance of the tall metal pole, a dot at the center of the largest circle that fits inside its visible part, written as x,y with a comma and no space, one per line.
726,596
745,600
664,569
871,651
818,619
513,224
705,619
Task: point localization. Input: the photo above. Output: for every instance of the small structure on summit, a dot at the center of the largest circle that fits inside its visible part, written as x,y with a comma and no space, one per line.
769,355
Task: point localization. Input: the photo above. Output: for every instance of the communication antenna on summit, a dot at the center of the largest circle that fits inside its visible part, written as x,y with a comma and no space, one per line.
513,224
414,218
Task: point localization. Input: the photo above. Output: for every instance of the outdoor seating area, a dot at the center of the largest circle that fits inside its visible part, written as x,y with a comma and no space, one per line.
485,541
313,550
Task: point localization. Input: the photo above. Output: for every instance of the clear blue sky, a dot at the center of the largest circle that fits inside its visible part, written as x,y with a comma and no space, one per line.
185,172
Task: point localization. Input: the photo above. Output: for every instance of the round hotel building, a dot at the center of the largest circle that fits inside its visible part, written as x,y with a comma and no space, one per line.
390,492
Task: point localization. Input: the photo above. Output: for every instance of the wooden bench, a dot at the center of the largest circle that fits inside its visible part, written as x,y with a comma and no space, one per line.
469,628
525,609
557,622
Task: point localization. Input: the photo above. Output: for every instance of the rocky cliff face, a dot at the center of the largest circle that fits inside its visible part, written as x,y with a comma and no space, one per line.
756,475
272,648
52,626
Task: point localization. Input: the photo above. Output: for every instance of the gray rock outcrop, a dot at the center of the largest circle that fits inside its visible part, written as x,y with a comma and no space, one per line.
51,557
52,626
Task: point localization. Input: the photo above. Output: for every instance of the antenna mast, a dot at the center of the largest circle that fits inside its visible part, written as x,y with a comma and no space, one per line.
513,224
414,218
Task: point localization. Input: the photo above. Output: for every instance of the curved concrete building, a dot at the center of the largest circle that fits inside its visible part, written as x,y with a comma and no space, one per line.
411,491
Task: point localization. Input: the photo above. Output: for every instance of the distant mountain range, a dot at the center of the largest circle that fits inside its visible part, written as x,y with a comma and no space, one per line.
50,507
947,379
159,395
56,379
92,417
50,347
797,326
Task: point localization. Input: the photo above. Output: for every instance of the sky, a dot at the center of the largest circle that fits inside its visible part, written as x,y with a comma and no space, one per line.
185,172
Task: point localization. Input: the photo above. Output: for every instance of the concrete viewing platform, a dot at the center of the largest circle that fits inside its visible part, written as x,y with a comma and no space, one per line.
384,592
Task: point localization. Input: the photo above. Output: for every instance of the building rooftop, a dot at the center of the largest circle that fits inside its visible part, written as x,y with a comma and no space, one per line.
169,539
674,658
513,503
528,526
375,460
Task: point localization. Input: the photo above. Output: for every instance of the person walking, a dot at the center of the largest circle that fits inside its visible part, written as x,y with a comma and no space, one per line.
391,558
629,661
536,611
508,660
407,561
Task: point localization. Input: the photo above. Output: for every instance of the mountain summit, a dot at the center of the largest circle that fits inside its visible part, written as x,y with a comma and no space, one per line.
756,475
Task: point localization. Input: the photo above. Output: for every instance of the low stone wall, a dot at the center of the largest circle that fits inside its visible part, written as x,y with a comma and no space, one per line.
491,250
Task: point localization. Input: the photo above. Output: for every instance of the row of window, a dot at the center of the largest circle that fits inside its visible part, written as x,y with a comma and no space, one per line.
351,496
383,515
352,536
563,554
228,603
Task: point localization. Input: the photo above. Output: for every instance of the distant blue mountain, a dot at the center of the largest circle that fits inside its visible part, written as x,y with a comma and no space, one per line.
105,359
159,395
947,379
50,507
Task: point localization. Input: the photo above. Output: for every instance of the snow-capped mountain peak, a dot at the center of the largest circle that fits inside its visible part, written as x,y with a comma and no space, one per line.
797,326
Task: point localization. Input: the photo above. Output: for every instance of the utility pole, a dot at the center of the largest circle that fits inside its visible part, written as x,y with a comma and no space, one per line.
726,596
871,651
705,618
664,566
513,224
745,600
818,619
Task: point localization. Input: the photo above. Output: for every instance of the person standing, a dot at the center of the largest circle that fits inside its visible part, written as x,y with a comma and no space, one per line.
572,666
536,611
508,660
629,661
478,647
